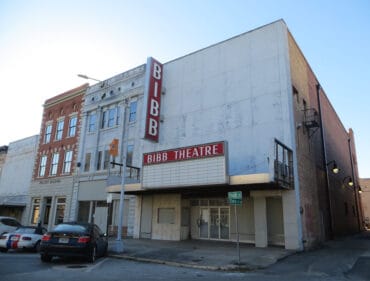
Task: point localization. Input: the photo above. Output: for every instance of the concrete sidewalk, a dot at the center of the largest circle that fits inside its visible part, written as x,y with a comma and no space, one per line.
201,254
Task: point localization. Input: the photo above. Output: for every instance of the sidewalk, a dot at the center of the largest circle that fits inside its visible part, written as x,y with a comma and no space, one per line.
210,255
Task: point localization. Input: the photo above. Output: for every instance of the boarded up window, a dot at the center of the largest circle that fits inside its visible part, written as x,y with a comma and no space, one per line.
166,215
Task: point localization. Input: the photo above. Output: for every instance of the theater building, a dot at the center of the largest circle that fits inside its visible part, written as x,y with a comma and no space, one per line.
245,115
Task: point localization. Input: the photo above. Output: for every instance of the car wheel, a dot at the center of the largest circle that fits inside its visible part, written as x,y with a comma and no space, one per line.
46,258
3,250
37,247
92,256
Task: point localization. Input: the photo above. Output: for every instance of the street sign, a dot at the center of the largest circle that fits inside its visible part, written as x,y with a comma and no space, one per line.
235,197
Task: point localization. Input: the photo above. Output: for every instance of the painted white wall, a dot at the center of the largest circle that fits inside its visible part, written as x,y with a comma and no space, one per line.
238,90
18,167
127,85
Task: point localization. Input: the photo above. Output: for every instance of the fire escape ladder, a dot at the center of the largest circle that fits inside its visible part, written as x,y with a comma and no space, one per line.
311,121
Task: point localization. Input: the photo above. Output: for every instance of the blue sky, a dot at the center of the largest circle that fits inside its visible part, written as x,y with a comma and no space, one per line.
45,44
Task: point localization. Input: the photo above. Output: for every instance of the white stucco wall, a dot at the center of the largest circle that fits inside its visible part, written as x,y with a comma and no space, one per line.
18,167
237,90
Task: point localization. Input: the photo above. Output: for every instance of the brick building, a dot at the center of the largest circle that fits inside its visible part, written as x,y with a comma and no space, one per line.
51,189
365,200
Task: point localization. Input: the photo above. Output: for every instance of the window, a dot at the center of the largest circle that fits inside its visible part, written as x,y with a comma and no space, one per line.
72,126
104,119
130,150
98,164
59,133
59,213
133,107
283,165
47,136
304,105
295,93
106,159
87,162
54,164
111,117
42,168
67,162
166,215
118,117
92,122
35,211
345,209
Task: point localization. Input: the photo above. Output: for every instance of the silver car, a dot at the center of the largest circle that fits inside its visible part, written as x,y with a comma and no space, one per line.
8,224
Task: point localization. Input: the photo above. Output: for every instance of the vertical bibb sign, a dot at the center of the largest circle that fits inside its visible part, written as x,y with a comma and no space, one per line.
152,96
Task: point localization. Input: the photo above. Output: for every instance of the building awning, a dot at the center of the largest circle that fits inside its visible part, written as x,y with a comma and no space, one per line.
128,187
14,201
250,182
250,179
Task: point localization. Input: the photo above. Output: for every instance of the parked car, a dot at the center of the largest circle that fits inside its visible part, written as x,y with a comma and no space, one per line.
25,237
8,224
74,239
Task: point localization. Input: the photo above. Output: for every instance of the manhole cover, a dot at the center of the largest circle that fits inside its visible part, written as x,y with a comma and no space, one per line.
76,266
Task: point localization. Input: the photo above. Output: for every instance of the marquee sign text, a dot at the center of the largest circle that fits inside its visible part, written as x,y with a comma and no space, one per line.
185,153
153,94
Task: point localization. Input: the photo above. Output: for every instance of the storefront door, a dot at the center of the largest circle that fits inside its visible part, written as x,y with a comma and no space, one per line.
214,223
204,223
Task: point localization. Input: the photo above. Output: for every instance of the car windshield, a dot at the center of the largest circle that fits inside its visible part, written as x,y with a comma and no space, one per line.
70,228
28,230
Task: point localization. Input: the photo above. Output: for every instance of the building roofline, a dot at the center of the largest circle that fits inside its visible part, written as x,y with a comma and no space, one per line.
229,39
66,94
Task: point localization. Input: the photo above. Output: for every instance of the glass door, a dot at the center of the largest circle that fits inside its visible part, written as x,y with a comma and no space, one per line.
224,223
203,223
214,223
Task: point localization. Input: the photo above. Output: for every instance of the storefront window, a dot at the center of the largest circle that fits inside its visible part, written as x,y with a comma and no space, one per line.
35,210
83,211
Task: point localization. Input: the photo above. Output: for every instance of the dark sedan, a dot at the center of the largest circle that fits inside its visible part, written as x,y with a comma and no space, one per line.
74,239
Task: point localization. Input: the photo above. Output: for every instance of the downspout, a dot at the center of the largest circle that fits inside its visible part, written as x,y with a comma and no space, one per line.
354,186
324,161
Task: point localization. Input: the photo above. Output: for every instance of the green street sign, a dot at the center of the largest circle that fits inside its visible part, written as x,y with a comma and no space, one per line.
235,197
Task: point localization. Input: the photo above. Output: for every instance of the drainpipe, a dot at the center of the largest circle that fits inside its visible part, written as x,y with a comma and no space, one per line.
355,192
324,161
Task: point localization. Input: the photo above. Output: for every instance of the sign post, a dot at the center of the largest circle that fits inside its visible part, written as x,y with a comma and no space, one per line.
235,198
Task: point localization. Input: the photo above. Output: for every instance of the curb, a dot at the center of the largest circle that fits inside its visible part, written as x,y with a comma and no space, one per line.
179,264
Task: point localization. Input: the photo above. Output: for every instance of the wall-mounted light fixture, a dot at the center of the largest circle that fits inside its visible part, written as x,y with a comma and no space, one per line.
334,168
348,180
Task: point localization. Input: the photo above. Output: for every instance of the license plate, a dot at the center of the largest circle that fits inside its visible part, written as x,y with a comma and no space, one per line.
63,240
14,238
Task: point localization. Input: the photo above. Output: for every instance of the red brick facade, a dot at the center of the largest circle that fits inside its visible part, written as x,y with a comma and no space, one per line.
329,206
61,107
